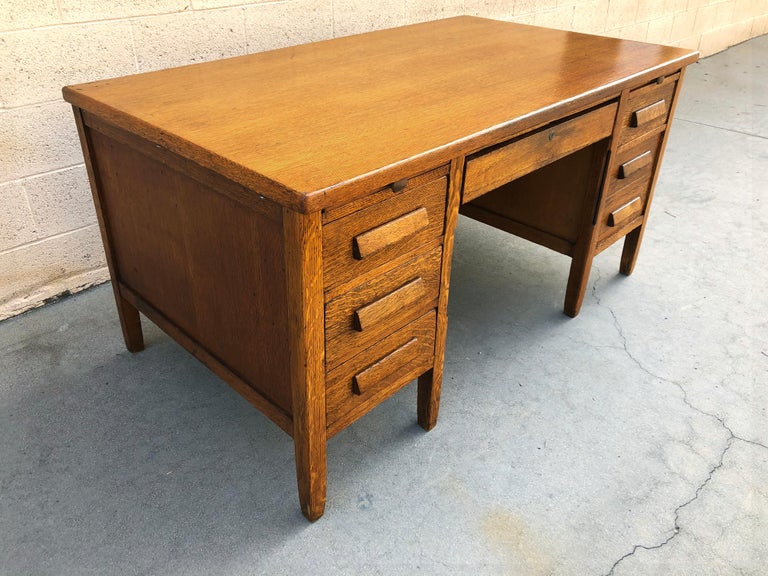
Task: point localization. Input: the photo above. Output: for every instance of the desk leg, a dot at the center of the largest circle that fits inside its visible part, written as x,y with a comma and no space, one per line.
631,250
428,400
130,322
577,283
127,312
431,382
304,283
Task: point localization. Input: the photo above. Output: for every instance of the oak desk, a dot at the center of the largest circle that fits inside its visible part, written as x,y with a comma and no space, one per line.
289,216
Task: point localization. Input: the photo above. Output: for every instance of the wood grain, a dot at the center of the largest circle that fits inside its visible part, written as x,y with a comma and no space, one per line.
489,170
653,103
633,165
380,310
319,125
626,212
634,238
545,206
431,382
344,405
386,235
384,367
130,321
304,286
340,263
213,266
649,113
343,339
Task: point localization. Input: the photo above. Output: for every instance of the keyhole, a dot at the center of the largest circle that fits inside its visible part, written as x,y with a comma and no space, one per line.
551,135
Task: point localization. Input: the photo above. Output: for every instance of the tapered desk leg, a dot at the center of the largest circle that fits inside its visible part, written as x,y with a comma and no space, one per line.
431,382
130,322
631,250
428,400
578,278
310,445
306,345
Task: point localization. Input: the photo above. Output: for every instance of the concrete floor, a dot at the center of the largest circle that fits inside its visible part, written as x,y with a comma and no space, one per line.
631,440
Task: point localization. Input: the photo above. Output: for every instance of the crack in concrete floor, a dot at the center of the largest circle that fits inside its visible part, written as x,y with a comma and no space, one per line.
676,528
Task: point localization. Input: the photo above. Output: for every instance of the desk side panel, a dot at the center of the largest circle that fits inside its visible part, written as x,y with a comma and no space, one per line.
211,266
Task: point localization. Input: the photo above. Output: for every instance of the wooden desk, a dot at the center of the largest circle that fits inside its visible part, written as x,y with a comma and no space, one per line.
289,216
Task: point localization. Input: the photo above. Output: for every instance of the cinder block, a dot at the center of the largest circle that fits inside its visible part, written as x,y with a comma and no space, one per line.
270,26
198,4
529,6
37,139
84,10
696,4
660,30
683,25
357,16
721,38
675,6
188,37
17,226
426,10
490,8
35,64
637,31
690,42
40,270
61,201
528,18
759,26
561,17
621,13
15,15
652,9
590,17
707,19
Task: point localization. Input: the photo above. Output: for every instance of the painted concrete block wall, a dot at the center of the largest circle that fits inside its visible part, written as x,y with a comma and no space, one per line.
49,239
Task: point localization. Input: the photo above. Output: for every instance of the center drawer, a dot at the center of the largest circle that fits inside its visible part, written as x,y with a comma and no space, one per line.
362,316
489,169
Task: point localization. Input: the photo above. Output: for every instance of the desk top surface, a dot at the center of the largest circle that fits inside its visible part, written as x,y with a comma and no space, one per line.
313,125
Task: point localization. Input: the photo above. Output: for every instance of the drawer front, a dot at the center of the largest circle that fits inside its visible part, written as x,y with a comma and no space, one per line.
624,211
360,317
633,164
376,373
358,243
647,109
486,171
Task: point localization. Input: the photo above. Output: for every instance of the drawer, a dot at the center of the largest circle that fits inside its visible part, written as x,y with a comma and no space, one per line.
647,109
362,316
376,373
358,243
490,169
634,163
624,210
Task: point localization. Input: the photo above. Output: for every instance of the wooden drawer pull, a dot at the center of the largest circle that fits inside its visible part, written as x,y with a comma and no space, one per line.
631,166
390,233
399,185
625,212
402,298
382,368
648,113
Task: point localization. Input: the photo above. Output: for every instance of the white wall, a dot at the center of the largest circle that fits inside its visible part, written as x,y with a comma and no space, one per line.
49,240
